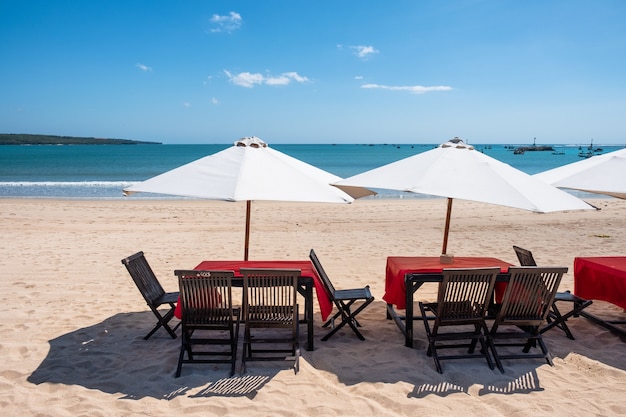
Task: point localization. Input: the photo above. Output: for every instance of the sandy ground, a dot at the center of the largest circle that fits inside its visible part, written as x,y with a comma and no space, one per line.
71,339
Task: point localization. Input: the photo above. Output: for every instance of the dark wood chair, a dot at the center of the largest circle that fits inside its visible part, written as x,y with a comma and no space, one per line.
152,291
210,323
462,301
524,310
555,318
270,315
344,300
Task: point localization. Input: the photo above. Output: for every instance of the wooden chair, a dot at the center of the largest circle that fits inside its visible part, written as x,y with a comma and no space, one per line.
208,318
555,318
152,291
270,315
524,310
343,300
462,300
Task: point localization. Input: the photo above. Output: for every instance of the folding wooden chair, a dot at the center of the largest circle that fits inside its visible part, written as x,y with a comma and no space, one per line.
210,324
152,291
524,310
462,300
555,318
343,300
270,315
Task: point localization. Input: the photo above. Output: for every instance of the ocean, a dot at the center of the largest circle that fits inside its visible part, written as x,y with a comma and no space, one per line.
102,171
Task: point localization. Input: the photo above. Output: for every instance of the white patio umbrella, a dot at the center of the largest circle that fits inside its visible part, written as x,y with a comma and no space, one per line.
249,170
456,170
600,174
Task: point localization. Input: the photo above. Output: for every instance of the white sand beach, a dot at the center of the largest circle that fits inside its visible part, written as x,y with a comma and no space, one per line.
71,338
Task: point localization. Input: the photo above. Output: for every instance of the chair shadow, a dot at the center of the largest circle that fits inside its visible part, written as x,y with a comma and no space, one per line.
382,357
522,384
112,357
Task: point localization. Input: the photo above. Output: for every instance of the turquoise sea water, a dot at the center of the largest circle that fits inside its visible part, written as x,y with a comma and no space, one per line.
102,171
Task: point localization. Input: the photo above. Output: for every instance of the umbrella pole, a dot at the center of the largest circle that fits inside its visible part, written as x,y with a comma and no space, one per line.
247,238
444,250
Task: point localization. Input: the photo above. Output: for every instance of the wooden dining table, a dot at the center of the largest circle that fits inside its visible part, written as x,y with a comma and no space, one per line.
307,281
602,278
406,274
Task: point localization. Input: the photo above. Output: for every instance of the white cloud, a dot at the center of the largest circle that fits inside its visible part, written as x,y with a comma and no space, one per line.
187,104
414,89
249,80
143,67
227,23
215,101
364,52
358,77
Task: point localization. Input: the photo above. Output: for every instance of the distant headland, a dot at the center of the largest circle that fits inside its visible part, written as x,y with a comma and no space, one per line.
27,139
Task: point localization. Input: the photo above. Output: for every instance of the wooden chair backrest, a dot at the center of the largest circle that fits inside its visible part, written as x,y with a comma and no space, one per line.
330,288
524,256
205,296
143,276
270,296
530,293
465,293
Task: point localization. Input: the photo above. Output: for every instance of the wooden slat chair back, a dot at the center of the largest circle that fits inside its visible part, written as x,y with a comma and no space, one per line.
524,256
270,304
464,294
462,300
525,306
344,300
152,291
210,323
555,317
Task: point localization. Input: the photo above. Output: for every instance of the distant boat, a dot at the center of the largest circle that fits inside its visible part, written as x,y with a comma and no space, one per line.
591,151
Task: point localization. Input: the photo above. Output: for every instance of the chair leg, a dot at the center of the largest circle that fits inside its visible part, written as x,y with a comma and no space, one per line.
347,317
183,347
163,322
559,320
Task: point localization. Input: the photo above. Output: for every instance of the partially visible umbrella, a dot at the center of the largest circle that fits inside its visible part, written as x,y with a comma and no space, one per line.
249,170
600,174
456,170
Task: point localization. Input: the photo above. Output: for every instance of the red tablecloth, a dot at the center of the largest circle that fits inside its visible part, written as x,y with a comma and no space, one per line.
306,267
399,266
601,278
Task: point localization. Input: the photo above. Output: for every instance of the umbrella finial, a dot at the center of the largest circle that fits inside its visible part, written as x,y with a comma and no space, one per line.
251,141
456,142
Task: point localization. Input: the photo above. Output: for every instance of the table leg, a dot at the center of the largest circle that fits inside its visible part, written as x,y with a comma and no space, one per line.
408,322
306,290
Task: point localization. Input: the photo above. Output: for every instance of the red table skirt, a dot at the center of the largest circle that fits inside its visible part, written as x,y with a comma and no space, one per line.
399,266
306,267
601,278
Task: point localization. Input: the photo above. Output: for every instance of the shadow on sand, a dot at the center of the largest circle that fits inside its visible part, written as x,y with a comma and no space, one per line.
112,357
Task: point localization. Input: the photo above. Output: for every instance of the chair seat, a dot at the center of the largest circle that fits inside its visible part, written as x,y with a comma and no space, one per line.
170,297
353,294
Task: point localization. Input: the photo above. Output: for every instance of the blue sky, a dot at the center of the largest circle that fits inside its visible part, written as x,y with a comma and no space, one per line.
340,71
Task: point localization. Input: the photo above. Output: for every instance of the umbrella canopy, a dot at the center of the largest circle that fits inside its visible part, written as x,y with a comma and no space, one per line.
249,170
600,174
456,170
